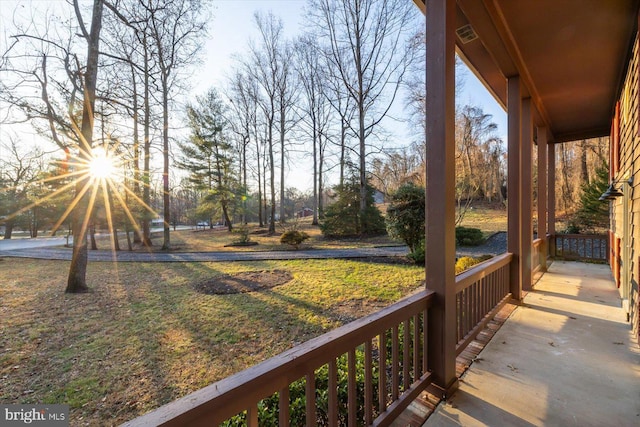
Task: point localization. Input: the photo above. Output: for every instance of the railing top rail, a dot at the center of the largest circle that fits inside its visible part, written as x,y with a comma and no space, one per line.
226,396
537,242
478,271
581,236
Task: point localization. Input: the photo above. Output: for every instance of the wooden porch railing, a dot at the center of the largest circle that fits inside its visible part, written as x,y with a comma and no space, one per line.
363,373
481,292
582,247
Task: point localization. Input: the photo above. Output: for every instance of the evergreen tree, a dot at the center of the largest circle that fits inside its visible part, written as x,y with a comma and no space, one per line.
405,215
207,155
344,217
592,212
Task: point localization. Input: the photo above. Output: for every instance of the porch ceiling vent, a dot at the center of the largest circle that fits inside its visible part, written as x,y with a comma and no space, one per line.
466,34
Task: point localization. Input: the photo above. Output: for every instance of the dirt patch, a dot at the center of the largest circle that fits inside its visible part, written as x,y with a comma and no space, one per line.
247,281
348,311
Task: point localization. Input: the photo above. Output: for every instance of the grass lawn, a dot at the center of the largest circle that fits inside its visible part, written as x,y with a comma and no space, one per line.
488,219
144,336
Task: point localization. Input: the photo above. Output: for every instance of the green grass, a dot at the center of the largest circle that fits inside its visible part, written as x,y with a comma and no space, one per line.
489,219
143,337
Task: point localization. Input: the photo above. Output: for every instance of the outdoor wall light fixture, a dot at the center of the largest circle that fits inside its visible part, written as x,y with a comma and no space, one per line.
612,192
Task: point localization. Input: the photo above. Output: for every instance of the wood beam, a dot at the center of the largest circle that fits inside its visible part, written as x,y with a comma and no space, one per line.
526,193
440,192
513,184
542,195
551,195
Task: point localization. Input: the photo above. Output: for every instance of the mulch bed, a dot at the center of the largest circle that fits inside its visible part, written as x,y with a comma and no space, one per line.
247,281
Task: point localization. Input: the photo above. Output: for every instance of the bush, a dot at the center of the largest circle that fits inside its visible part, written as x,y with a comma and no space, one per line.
293,238
242,231
418,254
268,408
405,216
466,262
469,236
343,218
572,228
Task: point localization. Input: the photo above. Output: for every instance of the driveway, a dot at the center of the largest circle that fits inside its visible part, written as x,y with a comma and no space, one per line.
64,254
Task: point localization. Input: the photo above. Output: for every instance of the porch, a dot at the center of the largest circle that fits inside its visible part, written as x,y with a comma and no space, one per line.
564,357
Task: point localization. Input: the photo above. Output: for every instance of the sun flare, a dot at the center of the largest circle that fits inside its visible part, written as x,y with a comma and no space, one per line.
101,165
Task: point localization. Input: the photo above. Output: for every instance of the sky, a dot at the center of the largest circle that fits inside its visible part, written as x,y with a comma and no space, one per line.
231,29
233,26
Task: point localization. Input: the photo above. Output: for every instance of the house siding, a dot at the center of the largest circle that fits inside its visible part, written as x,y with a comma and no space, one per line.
629,167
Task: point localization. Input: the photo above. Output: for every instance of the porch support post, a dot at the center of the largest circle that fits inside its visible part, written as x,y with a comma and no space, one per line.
526,193
542,195
514,180
440,192
551,195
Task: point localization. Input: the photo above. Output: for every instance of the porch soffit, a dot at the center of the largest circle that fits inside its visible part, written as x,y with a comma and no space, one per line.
570,56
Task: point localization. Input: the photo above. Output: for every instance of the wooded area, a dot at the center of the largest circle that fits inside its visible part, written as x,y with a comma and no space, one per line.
222,157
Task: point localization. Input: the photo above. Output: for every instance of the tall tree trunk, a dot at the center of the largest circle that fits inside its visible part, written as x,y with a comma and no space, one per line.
315,172
363,171
34,222
244,179
320,178
146,191
282,158
166,245
584,168
225,214
92,237
76,281
8,228
272,176
343,142
137,237
260,218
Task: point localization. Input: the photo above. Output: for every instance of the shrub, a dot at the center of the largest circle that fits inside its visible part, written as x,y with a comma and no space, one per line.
268,408
592,214
405,217
469,236
343,218
418,254
572,228
242,231
464,263
293,238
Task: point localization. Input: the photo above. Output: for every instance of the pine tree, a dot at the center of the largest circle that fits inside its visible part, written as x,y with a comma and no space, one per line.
593,213
207,155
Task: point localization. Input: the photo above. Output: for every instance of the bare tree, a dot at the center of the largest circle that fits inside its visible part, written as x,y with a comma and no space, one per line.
286,98
367,51
176,29
265,66
243,116
19,170
315,110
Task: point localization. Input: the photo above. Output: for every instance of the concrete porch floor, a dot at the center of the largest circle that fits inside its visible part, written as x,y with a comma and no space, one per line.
566,357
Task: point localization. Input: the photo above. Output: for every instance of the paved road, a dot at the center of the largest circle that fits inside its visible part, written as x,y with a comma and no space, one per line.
39,242
41,249
125,256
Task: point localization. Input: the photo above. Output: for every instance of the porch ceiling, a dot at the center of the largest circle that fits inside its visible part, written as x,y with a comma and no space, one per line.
570,56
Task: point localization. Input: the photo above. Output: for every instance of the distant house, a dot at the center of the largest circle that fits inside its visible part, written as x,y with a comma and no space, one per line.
378,197
304,212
